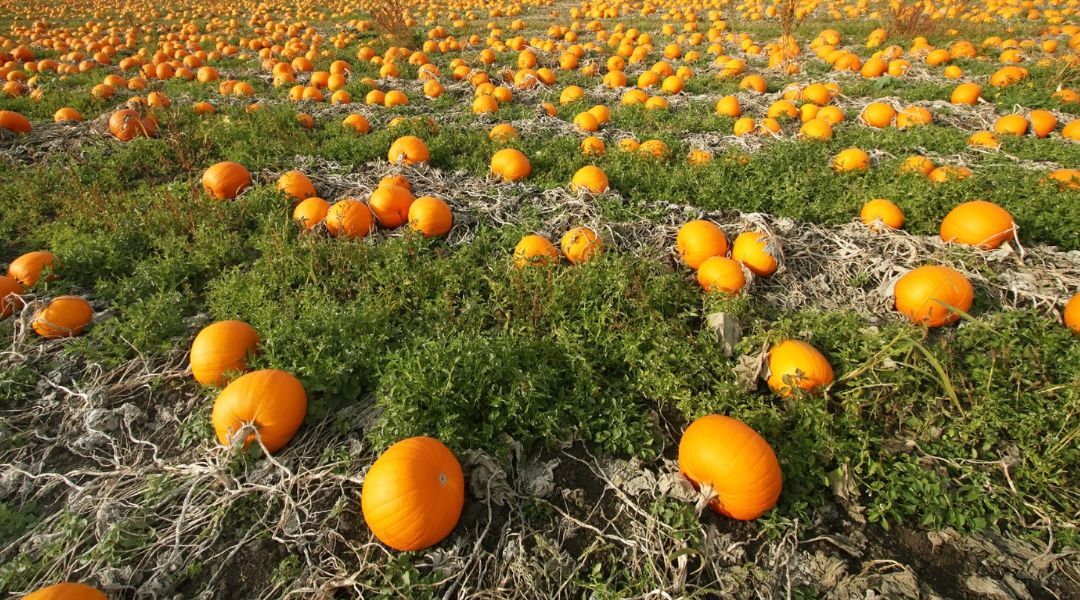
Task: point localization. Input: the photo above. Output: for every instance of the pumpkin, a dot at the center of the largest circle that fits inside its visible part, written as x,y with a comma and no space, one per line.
917,164
408,150
966,93
66,591
698,241
880,214
1011,125
14,122
1071,131
350,218
590,178
1042,122
852,159
27,268
984,139
721,274
63,316
413,494
67,115
1072,314
878,114
816,129
503,132
928,294
978,223
222,347
357,123
734,461
535,251
296,185
10,290
757,251
793,362
579,244
225,180
1066,179
390,205
310,212
729,106
593,146
586,122
430,216
400,181
127,124
271,401
510,164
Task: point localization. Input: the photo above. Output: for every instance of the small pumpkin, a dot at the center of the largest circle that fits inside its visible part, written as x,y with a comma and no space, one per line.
66,591
1072,314
222,347
63,316
430,216
225,180
721,274
310,212
580,244
350,218
978,223
10,290
67,115
852,159
413,494
757,251
510,164
127,124
390,205
272,401
878,114
794,362
27,268
734,461
14,122
591,179
408,150
535,251
966,93
880,214
931,294
697,241
296,185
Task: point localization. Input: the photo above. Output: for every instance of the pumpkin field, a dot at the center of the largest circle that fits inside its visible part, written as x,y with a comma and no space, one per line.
540,299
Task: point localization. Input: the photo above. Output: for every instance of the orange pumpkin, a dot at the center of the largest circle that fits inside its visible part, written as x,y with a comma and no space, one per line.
27,268
535,251
67,115
929,293
10,290
590,178
878,114
66,591
350,218
127,124
222,347
272,401
852,159
697,241
413,494
357,123
978,223
757,251
408,150
793,362
735,462
390,205
879,214
225,180
579,244
966,93
296,185
721,274
510,164
14,122
1042,122
1072,314
430,216
310,212
63,316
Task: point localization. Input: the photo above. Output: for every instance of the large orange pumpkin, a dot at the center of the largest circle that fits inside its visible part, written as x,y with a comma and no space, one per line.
408,150
222,347
413,494
350,218
793,362
1072,314
735,461
310,212
127,124
579,244
63,316
272,401
226,180
66,591
590,178
10,290
14,122
510,164
390,205
756,250
879,214
928,294
721,274
535,250
430,216
978,223
698,241
27,268
296,185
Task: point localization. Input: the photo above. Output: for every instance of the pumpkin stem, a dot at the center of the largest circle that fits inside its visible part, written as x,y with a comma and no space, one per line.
706,496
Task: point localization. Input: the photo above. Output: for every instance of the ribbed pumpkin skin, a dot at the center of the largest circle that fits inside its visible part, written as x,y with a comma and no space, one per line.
63,316
430,216
296,185
413,495
698,241
66,591
14,122
350,218
738,463
226,180
1072,314
273,400
310,212
221,347
751,248
408,150
390,204
721,274
510,164
978,223
800,361
579,244
10,288
925,293
535,250
27,268
127,124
